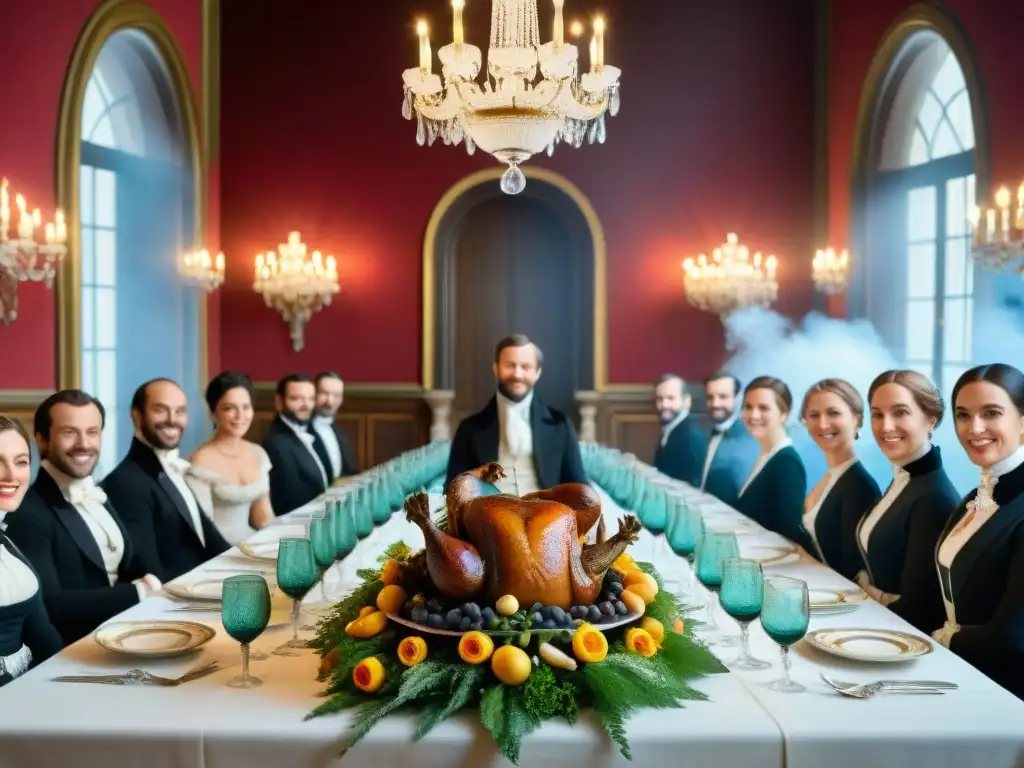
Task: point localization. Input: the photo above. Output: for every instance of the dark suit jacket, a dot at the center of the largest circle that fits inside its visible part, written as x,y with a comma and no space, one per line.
986,584
66,557
156,517
295,478
903,542
835,526
732,463
22,624
556,449
349,462
775,498
682,456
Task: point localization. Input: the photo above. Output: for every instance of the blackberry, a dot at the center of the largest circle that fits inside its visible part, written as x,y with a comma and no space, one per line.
419,615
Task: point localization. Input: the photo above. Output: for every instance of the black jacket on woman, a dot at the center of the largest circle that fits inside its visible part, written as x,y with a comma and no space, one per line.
835,526
26,623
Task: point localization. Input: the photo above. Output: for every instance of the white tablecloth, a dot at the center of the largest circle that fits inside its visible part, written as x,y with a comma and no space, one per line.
205,724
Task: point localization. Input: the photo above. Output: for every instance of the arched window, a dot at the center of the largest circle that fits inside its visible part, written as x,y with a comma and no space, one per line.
138,320
920,281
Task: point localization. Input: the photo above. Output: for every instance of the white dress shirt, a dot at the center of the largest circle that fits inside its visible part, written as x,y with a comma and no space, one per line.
900,480
17,581
515,446
307,440
811,515
324,426
717,437
666,429
175,468
762,462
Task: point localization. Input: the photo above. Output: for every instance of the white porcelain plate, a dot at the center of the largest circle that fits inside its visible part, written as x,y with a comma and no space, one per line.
768,556
153,639
871,645
205,589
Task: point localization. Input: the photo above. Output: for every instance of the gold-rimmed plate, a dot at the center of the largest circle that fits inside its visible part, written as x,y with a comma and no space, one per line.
870,645
771,555
204,589
153,639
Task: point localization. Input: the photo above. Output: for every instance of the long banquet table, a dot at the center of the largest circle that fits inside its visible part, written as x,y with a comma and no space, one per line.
205,724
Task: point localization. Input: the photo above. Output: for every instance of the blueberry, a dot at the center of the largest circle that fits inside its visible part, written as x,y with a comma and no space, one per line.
620,608
473,611
537,620
536,607
594,613
419,615
434,606
612,576
435,620
476,625
607,608
465,623
487,614
454,614
557,615
615,588
549,624
606,597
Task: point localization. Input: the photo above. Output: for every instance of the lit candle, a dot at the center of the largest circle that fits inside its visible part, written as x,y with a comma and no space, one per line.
1003,201
771,263
51,234
457,32
220,263
24,221
990,225
1019,223
593,54
5,209
332,267
599,43
61,233
559,33
425,59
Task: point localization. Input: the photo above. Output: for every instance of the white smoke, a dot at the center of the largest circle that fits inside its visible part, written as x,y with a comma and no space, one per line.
763,342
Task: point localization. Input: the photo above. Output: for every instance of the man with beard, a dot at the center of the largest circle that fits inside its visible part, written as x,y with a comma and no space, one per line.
171,532
731,452
332,446
536,445
68,529
297,474
680,453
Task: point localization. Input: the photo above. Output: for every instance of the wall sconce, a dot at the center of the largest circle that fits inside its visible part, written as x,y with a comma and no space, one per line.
202,269
22,259
831,271
999,240
295,283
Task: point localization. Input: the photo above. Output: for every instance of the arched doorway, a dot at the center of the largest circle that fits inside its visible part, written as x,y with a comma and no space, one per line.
494,265
129,176
920,150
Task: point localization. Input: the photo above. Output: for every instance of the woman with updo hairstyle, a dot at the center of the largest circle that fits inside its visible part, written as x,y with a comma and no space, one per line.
897,536
833,413
27,637
773,495
230,476
980,557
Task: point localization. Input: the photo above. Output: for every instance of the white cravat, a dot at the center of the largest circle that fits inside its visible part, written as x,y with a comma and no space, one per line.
515,446
175,468
308,440
666,429
89,500
324,426
763,461
715,443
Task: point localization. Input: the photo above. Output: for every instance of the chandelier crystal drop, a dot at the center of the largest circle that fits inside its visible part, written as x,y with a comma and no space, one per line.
514,114
999,233
296,283
731,279
830,271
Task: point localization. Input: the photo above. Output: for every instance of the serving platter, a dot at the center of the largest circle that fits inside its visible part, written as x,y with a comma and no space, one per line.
617,622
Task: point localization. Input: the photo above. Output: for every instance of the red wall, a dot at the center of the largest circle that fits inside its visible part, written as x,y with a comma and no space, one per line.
716,134
38,38
993,30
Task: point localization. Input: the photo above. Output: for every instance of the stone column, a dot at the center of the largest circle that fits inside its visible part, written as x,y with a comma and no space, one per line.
440,402
587,401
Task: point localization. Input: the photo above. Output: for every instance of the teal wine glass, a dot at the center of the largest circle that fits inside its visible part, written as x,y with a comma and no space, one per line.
784,617
685,529
321,536
742,594
362,515
713,549
655,514
245,613
296,575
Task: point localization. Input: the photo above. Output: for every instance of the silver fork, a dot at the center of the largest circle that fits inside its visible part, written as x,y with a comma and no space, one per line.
866,691
141,677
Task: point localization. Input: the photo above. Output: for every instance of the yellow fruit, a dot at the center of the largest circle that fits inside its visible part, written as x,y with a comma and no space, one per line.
634,602
640,642
623,563
475,647
390,572
647,588
589,644
366,610
511,664
412,651
368,626
654,628
506,605
639,577
391,598
368,675
678,626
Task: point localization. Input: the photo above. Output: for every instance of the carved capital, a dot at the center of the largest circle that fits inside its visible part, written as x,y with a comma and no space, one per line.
440,402
587,401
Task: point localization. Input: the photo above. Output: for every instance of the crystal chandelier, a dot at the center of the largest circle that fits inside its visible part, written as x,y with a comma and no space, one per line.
202,269
510,116
999,241
22,259
295,283
830,271
731,279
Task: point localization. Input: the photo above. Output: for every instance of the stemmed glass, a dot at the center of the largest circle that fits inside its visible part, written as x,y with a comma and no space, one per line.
296,575
344,532
713,549
245,613
685,529
742,594
784,617
321,536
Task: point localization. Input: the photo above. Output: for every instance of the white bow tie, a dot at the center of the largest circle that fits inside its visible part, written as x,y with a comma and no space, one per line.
82,492
174,462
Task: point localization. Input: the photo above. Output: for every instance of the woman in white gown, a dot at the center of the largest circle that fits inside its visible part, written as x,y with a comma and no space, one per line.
230,476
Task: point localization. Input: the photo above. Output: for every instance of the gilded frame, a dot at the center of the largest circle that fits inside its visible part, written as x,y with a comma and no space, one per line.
114,16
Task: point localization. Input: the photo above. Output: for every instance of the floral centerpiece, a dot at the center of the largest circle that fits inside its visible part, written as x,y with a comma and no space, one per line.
507,612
